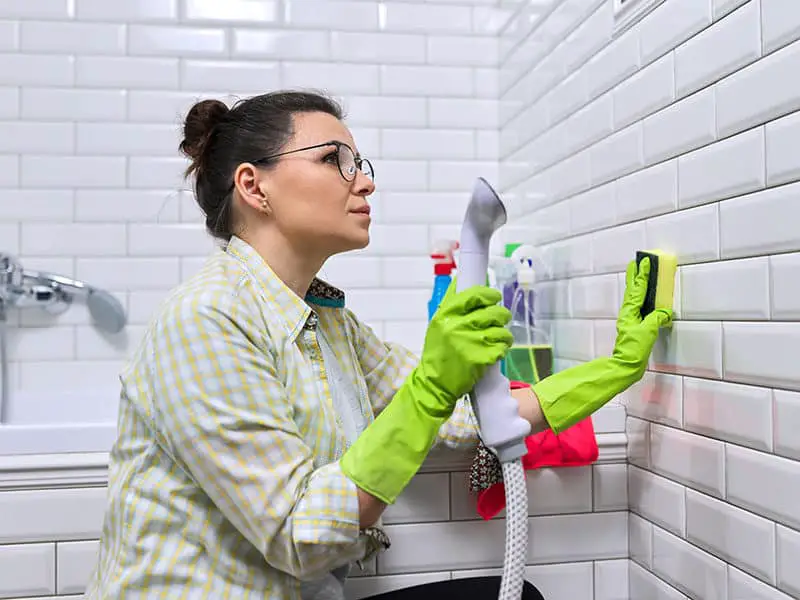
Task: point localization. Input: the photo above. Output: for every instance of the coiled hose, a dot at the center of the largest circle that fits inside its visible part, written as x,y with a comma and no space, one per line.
516,549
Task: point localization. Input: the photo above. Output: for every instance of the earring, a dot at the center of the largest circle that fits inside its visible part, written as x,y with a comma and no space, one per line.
265,206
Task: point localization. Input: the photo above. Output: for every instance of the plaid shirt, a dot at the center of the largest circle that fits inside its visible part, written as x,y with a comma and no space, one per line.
224,481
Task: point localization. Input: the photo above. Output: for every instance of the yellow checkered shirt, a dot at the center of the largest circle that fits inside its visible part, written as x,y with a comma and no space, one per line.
224,481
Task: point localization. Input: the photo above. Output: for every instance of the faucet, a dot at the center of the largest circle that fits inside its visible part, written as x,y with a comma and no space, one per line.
19,290
53,293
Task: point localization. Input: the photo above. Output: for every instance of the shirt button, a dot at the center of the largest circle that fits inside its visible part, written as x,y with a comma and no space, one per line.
311,322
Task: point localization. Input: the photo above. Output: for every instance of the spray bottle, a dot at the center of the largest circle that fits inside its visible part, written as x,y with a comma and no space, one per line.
503,277
522,304
530,359
510,283
443,265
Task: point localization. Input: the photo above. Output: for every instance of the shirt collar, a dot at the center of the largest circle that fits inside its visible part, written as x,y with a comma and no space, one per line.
294,310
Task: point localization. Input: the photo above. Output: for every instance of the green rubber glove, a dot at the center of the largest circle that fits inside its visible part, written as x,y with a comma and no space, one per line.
466,334
575,393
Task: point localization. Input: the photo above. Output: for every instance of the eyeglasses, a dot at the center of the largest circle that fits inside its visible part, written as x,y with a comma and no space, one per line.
347,160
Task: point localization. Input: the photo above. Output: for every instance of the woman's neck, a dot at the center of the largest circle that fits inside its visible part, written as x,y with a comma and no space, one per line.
294,268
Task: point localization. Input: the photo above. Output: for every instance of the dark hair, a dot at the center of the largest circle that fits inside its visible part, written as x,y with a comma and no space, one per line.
218,139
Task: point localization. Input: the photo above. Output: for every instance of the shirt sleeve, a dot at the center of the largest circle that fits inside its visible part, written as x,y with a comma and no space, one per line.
386,365
228,422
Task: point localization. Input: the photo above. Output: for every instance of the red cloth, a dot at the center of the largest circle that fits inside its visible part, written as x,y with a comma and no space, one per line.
573,447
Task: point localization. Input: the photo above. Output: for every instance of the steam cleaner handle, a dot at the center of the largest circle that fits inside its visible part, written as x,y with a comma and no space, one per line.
497,411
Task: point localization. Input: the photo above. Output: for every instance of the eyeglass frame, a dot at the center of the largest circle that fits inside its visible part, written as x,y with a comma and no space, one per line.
357,158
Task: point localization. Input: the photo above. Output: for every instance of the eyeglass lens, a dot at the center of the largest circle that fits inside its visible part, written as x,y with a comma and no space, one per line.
347,164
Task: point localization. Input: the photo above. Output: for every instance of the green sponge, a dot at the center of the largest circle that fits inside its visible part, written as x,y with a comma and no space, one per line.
661,282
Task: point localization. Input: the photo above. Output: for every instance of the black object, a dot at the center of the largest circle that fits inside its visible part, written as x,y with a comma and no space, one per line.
649,304
470,588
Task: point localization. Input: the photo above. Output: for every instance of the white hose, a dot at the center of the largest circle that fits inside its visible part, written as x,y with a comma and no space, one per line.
514,480
516,551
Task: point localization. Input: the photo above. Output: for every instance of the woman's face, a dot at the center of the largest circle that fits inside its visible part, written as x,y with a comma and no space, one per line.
310,204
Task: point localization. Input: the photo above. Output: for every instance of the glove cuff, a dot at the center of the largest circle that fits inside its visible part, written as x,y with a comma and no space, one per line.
574,394
390,451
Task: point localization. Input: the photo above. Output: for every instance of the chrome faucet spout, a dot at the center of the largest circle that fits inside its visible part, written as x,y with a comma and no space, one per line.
20,288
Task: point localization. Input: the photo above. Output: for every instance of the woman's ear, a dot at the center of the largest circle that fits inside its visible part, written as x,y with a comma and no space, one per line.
251,188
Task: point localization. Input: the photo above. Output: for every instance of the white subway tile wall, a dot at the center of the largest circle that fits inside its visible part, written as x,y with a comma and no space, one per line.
679,132
91,96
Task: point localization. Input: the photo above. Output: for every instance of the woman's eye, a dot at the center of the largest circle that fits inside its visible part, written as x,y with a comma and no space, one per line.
330,158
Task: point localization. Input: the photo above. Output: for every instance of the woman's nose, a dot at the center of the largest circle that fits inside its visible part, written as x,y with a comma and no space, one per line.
363,185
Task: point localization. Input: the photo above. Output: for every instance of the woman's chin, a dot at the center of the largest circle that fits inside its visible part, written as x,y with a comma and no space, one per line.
361,241
360,233
355,241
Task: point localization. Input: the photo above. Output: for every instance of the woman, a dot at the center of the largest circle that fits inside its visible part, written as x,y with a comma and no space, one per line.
249,463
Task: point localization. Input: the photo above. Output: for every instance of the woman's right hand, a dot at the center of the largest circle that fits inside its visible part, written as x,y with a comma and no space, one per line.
466,335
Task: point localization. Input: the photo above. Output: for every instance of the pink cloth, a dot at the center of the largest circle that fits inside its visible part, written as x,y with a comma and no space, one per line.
573,447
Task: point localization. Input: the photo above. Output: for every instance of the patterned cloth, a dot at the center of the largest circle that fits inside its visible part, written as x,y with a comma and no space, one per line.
486,470
224,481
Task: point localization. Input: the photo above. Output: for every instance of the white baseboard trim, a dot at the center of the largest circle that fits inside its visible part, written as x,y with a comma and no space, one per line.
90,469
38,471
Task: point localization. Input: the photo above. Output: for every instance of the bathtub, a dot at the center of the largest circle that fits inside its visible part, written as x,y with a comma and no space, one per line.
63,439
62,421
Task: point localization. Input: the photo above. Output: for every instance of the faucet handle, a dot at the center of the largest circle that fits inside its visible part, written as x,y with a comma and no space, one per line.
11,274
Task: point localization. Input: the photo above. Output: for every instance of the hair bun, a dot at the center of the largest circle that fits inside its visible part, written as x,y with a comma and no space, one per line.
198,125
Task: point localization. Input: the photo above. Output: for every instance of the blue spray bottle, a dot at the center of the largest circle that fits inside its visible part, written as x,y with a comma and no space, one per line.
443,265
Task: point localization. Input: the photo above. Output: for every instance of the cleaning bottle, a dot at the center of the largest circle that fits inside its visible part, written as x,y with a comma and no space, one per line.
522,304
530,358
509,275
443,265
504,273
502,277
